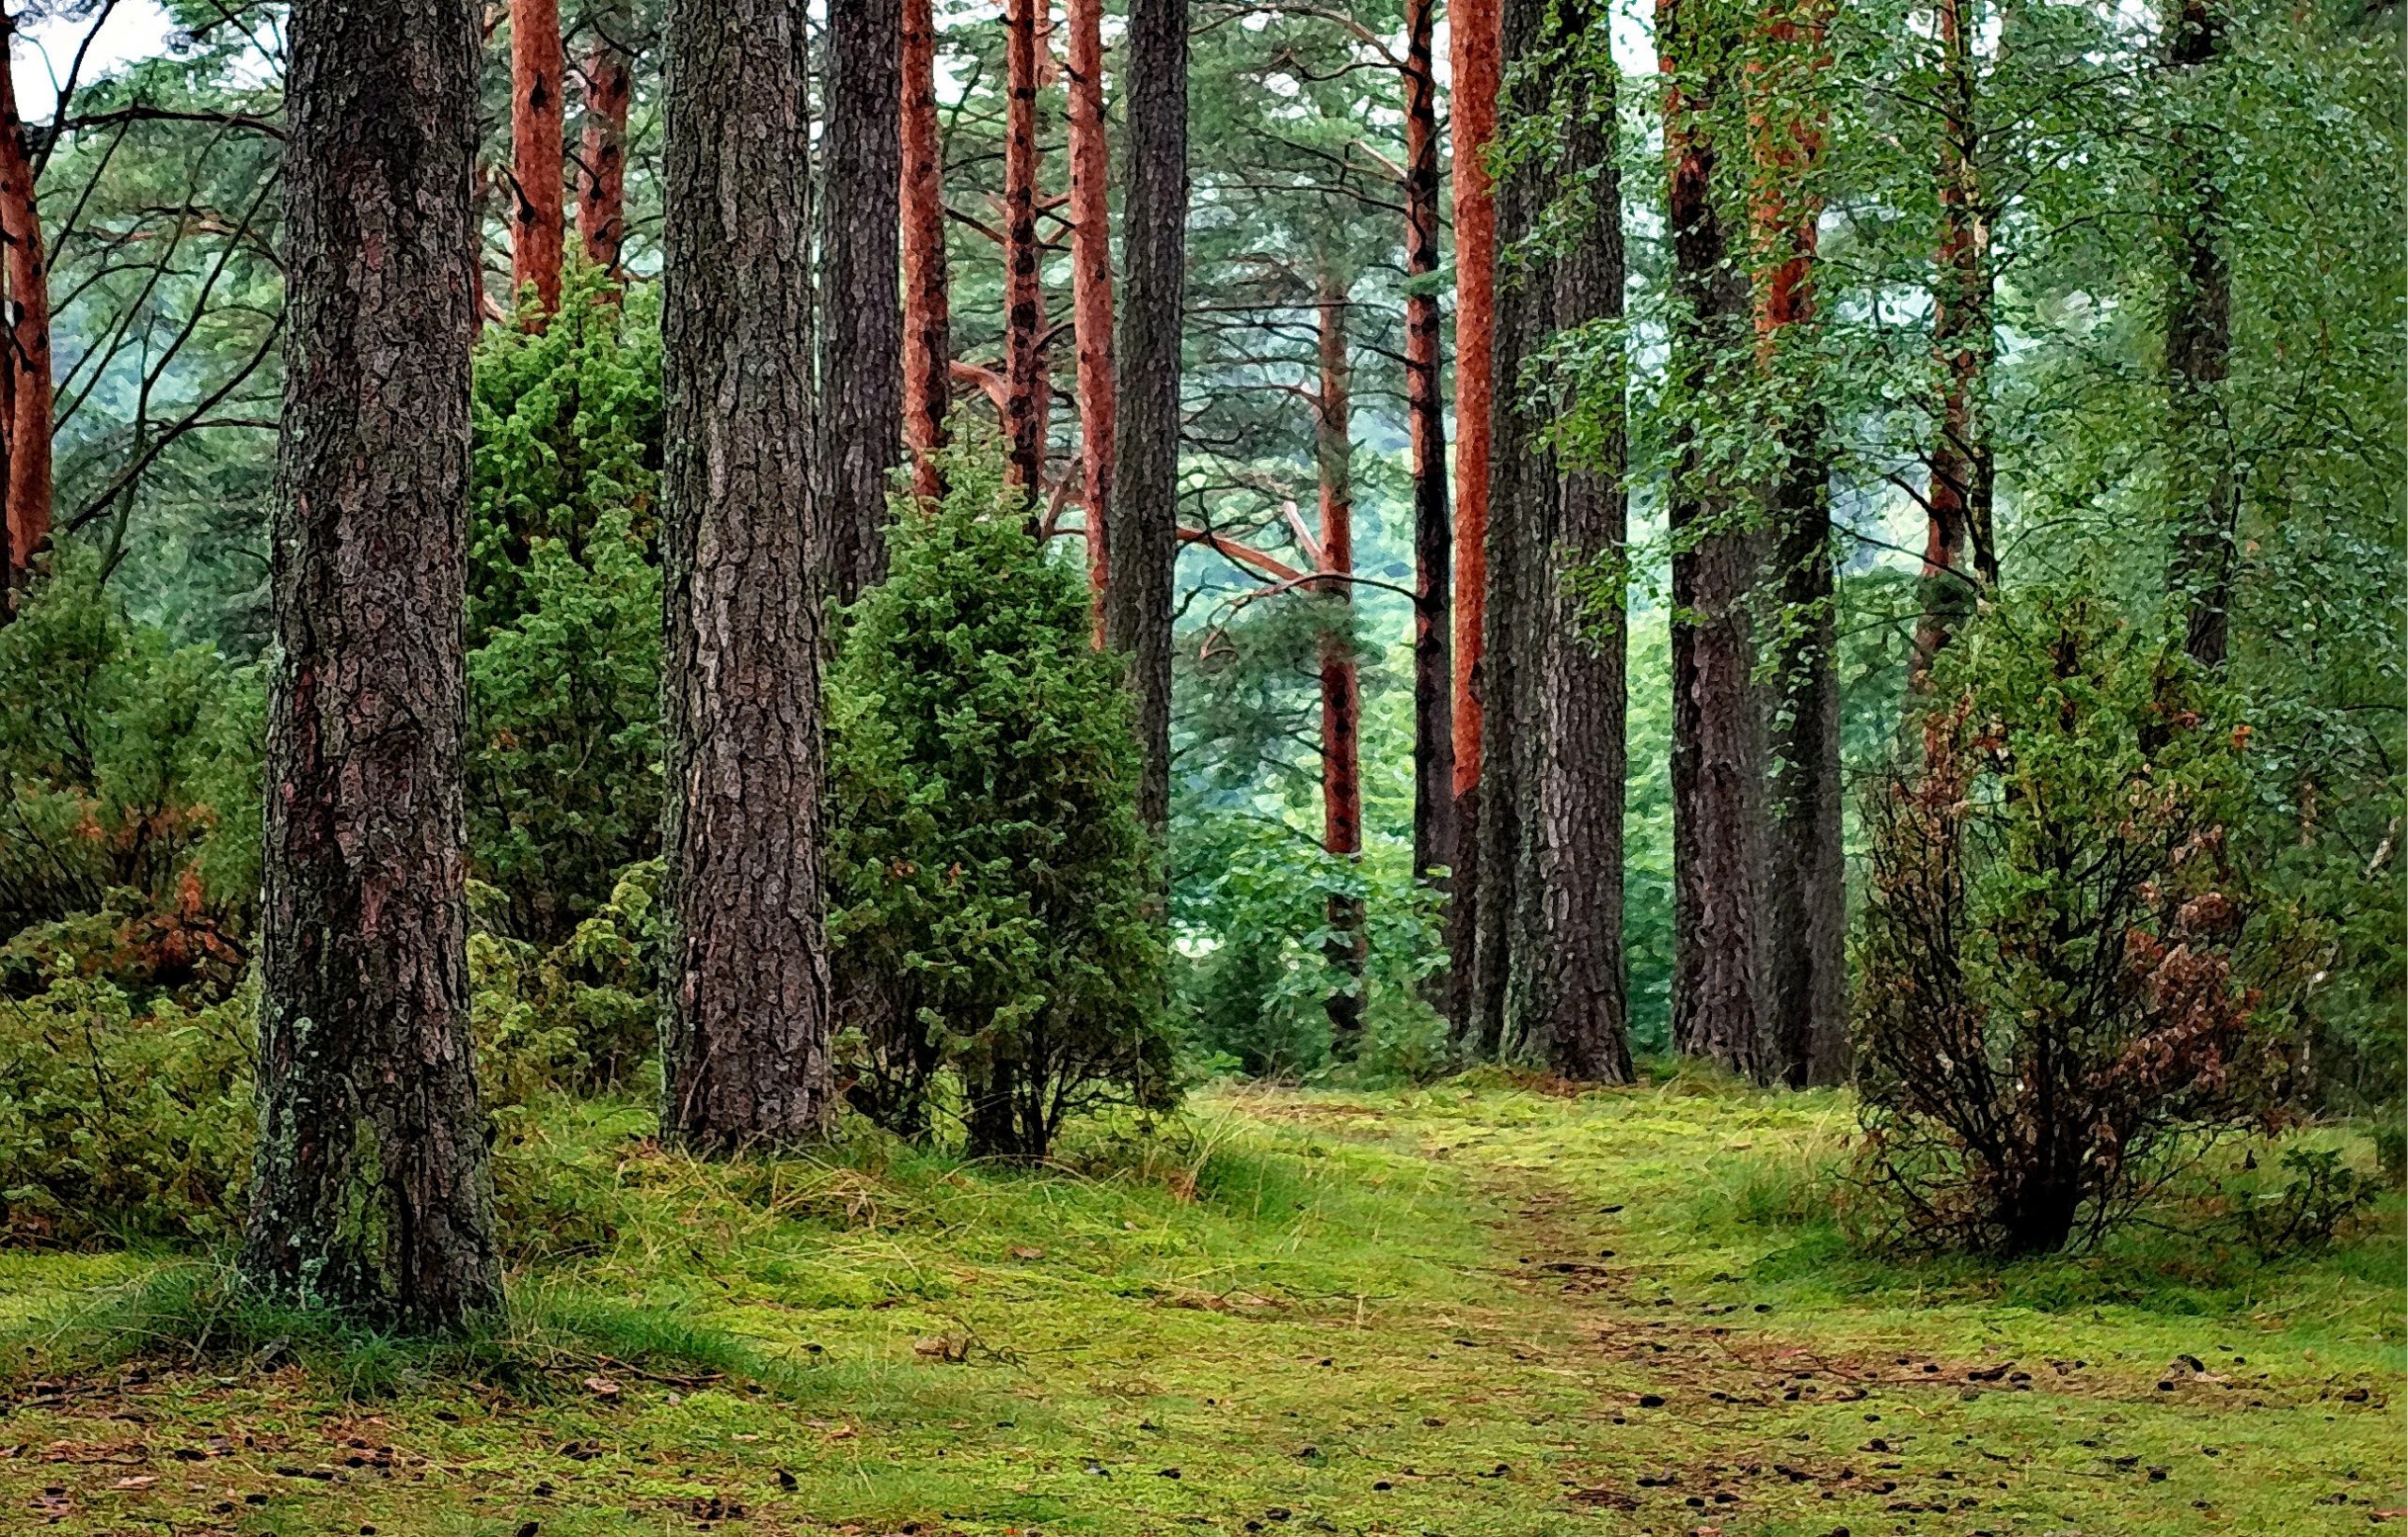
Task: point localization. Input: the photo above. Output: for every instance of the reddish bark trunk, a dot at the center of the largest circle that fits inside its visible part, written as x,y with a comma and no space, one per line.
1091,286
602,179
1434,748
928,350
538,70
1474,39
1341,704
29,385
1023,299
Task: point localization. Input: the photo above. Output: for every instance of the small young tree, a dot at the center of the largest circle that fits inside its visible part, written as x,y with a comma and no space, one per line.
988,869
2059,946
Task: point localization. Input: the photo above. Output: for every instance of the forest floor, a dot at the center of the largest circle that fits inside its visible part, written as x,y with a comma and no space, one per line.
1474,1308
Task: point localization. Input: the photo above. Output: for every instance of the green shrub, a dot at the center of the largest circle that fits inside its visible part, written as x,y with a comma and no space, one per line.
119,1123
580,1018
2065,974
989,880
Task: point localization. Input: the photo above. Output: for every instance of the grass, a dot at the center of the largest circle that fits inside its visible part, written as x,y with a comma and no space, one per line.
1474,1308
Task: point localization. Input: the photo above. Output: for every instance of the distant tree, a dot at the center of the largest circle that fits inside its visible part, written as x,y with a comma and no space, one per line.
1026,385
927,348
861,306
602,153
371,1190
25,388
538,86
1091,288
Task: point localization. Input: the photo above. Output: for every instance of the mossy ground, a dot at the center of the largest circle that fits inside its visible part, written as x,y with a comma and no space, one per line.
1474,1308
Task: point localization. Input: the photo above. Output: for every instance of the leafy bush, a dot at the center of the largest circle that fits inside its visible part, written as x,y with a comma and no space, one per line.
2323,1195
563,762
119,1123
2063,972
580,1017
989,880
129,796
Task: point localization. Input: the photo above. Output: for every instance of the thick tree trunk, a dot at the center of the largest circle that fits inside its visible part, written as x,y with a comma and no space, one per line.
28,384
1960,557
1473,41
1569,1008
1341,698
538,76
1433,746
1023,297
1720,764
861,313
602,174
2203,495
1807,977
1091,288
371,1190
927,320
745,1032
1144,541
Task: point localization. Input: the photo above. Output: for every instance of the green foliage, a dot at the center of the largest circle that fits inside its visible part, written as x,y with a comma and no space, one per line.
565,609
2064,970
121,1123
580,1017
988,881
2322,1195
130,771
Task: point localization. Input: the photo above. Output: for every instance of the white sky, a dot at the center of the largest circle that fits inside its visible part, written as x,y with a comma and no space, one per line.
45,50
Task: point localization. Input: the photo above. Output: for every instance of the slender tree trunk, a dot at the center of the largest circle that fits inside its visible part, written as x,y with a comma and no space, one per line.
745,1032
1434,747
1473,41
1959,558
1719,765
928,348
1091,288
538,76
29,387
1144,542
370,1189
1023,297
1569,1008
1342,699
861,307
2203,495
602,174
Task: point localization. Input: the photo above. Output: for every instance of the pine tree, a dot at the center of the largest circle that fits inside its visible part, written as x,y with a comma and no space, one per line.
27,390
538,76
861,308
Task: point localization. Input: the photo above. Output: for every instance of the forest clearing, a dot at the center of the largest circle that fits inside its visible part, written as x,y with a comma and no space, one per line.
1469,1310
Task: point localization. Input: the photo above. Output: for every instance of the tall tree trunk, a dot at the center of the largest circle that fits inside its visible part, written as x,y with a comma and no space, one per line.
927,320
1341,698
1718,763
861,313
2203,495
1023,297
370,1189
745,1032
1473,41
538,75
1091,288
28,386
1144,541
1960,557
1807,979
602,176
1434,747
1569,1010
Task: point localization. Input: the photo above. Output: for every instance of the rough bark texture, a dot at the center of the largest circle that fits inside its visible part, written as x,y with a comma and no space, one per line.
1568,1007
745,1032
1433,746
371,1189
1341,696
860,316
602,154
1473,38
28,386
2204,496
1144,483
1023,296
1959,558
1806,979
928,318
538,77
1091,288
1719,762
